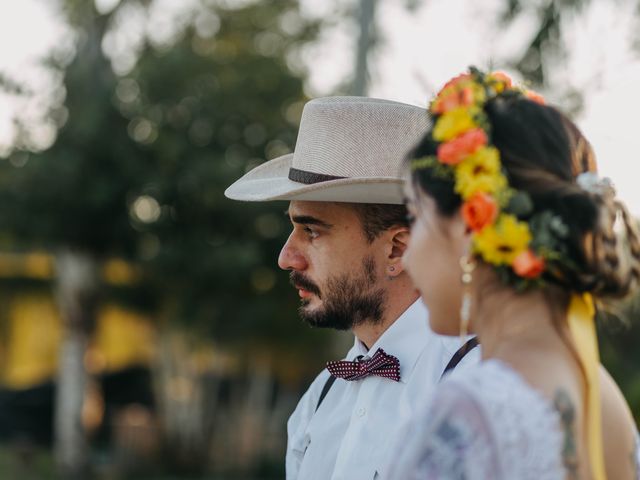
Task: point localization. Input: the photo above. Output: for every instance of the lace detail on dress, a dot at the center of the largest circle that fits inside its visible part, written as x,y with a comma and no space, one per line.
459,444
487,423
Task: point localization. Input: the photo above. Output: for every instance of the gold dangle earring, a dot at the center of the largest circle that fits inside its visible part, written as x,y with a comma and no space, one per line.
468,265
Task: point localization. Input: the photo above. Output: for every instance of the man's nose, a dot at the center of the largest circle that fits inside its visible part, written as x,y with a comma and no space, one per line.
290,257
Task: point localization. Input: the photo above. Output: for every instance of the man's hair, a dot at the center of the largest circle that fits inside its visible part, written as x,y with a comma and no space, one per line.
378,217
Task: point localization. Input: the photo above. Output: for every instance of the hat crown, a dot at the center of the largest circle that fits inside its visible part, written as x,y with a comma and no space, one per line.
357,137
349,149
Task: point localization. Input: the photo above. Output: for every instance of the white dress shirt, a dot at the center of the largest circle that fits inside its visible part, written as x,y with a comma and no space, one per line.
351,434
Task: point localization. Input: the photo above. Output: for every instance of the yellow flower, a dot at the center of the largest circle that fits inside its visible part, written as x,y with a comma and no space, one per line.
453,123
501,243
500,81
479,95
480,172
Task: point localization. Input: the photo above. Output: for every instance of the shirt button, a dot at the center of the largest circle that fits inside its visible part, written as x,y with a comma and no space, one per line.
361,411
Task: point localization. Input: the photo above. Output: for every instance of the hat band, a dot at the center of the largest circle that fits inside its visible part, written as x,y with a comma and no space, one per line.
308,178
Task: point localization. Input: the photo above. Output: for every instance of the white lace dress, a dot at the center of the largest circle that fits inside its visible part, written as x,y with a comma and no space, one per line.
484,423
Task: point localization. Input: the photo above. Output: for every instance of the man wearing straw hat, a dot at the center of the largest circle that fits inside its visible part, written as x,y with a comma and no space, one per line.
349,231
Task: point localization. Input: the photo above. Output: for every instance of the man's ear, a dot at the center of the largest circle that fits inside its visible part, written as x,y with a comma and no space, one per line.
398,242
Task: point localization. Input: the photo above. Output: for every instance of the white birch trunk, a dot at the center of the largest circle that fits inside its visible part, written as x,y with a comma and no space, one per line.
77,289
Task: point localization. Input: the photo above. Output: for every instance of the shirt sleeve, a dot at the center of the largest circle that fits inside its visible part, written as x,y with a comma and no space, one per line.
637,456
451,440
297,437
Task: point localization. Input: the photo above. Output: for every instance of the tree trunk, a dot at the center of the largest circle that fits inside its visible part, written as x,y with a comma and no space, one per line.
77,287
181,396
366,40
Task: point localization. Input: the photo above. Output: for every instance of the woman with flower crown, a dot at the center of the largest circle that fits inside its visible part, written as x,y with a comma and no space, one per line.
516,240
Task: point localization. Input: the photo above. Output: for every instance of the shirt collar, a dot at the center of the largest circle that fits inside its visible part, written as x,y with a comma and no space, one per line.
405,339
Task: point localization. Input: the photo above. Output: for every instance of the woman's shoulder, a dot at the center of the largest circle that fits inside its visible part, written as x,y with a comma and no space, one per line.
518,421
498,391
494,382
484,422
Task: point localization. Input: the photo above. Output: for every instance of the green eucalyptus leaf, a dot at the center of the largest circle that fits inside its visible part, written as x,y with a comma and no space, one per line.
520,204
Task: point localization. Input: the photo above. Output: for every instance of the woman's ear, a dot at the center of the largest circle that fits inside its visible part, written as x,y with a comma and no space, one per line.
398,241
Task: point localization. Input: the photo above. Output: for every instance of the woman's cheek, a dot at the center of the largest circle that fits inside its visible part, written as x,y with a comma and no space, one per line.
407,262
410,257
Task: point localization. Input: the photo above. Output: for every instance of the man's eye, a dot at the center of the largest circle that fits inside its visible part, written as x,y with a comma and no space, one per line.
310,232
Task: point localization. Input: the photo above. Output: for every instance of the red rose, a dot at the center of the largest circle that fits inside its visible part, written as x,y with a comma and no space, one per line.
456,98
454,151
528,265
535,97
455,80
479,211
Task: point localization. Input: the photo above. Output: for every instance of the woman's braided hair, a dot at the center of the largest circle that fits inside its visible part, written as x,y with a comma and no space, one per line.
543,154
613,252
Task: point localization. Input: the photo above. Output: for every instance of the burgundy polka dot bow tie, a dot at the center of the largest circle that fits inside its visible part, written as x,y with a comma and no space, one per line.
380,364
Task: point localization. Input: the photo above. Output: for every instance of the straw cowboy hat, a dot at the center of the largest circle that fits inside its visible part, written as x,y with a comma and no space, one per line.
349,149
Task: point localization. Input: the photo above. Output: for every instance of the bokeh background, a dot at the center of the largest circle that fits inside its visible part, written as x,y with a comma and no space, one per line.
145,330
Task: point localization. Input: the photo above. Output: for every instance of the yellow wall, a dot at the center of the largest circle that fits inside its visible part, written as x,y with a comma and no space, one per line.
30,350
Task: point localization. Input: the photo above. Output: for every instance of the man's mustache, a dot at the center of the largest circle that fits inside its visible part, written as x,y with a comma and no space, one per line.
298,280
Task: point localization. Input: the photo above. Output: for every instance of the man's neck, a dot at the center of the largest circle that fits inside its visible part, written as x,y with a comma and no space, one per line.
399,300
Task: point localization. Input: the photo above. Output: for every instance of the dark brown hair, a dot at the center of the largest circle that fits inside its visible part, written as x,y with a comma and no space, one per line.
542,153
377,218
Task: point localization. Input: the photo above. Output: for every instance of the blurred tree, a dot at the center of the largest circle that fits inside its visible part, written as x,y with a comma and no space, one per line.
205,111
138,171
546,42
366,42
618,336
546,48
72,200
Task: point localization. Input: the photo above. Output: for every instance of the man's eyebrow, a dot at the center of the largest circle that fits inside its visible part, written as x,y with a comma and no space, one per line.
309,220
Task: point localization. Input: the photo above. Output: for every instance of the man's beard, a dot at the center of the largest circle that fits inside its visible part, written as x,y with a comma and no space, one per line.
348,300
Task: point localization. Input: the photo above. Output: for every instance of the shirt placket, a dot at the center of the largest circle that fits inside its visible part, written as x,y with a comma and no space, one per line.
352,462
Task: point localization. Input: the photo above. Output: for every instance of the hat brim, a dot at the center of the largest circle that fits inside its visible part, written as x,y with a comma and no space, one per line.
270,181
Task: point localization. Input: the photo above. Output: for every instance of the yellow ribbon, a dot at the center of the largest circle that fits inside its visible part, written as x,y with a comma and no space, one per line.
583,330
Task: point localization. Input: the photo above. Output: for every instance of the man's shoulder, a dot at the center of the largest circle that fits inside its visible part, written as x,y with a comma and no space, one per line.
318,383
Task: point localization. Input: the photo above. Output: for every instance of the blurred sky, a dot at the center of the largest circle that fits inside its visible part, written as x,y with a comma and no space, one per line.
421,50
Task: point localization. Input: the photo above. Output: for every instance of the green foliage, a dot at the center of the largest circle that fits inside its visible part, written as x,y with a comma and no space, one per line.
216,107
140,167
619,332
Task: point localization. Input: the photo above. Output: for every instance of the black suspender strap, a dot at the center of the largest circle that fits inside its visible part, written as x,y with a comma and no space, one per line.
459,355
325,390
453,363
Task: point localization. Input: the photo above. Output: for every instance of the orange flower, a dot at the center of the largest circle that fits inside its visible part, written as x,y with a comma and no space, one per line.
454,81
455,98
535,97
479,211
454,151
528,265
503,78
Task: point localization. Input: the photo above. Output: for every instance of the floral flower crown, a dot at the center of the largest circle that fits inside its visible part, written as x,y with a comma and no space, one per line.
506,232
